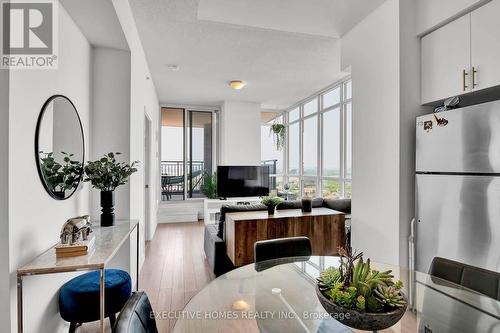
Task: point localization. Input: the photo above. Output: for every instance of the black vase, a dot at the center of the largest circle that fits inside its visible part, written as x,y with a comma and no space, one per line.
271,209
306,205
59,194
107,208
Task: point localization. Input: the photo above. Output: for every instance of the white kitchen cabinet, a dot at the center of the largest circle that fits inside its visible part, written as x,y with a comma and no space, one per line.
485,45
445,56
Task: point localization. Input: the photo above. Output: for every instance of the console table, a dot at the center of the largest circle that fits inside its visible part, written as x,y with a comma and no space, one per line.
324,227
108,241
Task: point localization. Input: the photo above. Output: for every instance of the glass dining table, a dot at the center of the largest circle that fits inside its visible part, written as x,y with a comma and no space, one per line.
279,296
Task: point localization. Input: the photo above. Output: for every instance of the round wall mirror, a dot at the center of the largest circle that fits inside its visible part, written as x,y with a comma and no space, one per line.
59,147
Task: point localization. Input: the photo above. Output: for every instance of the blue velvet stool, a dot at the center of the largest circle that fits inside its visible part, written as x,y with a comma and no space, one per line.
79,297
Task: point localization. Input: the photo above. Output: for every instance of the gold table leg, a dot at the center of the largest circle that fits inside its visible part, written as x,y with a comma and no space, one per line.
101,298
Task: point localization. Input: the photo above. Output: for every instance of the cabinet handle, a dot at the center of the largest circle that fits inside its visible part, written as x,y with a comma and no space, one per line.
464,79
474,72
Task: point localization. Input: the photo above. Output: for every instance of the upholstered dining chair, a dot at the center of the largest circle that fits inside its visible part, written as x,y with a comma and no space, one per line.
136,316
478,279
272,252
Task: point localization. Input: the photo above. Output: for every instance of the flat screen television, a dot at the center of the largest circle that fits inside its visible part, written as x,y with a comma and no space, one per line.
242,181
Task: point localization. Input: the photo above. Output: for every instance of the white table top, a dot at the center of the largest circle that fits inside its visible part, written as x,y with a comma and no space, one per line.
107,242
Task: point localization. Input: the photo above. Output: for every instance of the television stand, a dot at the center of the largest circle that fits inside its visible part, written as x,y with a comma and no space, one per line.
211,207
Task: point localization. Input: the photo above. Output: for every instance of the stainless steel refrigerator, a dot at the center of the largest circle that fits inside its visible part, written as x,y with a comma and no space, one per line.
458,187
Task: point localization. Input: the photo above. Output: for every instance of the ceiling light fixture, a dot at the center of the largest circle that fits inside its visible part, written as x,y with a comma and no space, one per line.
172,67
237,84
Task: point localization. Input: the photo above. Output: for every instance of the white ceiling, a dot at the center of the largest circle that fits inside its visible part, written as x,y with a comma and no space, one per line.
285,55
98,21
329,18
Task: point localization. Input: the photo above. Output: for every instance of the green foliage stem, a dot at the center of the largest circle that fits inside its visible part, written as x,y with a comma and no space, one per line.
279,132
271,200
106,174
60,177
209,187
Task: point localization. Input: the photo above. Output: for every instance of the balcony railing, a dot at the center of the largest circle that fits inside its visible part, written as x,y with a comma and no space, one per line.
272,165
172,178
272,172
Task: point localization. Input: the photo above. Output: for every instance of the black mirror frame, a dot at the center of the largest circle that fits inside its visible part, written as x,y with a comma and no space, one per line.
37,157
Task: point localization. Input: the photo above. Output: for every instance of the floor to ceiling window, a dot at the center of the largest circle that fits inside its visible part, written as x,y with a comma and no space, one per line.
187,153
336,141
271,154
317,156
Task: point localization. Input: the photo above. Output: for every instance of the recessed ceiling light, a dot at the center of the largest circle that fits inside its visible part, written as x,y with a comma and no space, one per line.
240,305
237,84
172,67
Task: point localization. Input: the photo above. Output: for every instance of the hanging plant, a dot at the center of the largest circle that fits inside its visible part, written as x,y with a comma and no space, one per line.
279,132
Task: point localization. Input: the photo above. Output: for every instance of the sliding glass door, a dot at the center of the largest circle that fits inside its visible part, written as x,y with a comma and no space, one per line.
172,154
200,141
187,154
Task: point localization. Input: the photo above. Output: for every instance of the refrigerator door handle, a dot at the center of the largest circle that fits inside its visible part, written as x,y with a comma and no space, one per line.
411,264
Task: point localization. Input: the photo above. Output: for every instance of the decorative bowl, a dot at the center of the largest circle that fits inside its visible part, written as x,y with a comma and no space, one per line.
361,320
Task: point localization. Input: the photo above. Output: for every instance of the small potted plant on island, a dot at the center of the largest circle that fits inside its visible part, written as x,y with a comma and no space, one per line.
106,174
359,296
271,201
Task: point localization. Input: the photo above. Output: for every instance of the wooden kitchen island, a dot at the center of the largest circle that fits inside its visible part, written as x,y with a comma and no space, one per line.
324,227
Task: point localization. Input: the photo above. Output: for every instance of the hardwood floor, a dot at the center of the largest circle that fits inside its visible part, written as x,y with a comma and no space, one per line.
174,270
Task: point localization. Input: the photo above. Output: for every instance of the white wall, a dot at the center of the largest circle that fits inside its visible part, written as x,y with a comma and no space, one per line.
371,49
36,218
111,118
143,99
383,54
410,108
4,199
239,133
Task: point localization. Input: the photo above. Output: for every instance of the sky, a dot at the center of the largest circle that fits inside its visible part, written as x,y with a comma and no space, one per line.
172,144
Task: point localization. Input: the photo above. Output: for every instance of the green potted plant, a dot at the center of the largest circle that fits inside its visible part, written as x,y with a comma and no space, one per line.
209,186
366,298
271,201
106,174
279,132
60,177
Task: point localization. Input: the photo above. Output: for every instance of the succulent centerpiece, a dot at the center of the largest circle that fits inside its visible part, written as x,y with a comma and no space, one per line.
367,298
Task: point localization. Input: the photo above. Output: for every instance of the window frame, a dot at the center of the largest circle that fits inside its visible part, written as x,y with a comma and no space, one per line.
342,179
283,155
214,111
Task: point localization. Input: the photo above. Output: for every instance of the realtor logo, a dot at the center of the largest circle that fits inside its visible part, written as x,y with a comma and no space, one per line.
29,34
